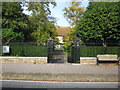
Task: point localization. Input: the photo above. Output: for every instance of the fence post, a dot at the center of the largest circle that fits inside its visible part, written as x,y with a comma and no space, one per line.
50,50
76,50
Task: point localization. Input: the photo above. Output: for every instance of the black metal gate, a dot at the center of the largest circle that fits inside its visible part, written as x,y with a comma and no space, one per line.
75,51
50,50
58,55
55,52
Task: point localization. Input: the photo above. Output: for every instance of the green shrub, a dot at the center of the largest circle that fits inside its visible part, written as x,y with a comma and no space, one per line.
28,50
93,51
41,51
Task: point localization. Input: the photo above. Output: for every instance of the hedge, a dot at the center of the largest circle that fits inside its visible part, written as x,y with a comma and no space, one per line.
28,50
93,51
41,51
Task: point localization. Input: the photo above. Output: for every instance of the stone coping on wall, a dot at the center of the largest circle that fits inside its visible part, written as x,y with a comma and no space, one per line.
40,57
32,60
88,57
44,57
88,60
24,57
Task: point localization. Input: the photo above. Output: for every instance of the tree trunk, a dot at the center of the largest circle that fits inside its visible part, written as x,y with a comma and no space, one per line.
8,41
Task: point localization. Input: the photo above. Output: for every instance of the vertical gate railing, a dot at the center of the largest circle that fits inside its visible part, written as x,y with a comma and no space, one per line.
75,52
50,50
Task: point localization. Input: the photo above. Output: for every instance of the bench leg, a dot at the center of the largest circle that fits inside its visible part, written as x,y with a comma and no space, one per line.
97,62
118,63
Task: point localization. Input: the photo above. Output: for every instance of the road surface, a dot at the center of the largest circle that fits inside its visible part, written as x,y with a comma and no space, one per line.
46,84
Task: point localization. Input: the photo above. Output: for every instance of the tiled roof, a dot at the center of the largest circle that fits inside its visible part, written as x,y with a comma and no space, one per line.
63,31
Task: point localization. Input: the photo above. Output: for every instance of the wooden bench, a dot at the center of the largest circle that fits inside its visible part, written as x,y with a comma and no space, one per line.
107,58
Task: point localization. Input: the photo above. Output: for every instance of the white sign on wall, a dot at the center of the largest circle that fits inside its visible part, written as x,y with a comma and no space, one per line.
6,49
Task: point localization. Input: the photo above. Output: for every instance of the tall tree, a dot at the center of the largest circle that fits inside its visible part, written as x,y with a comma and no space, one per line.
100,23
41,24
74,12
13,20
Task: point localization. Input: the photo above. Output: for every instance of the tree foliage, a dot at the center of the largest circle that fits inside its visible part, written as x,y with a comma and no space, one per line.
41,24
13,20
10,35
74,12
100,23
36,27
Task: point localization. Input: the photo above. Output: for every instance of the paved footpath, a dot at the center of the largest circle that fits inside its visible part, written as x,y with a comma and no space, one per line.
69,69
60,68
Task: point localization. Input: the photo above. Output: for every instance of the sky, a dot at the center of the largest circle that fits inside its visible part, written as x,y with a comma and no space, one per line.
58,13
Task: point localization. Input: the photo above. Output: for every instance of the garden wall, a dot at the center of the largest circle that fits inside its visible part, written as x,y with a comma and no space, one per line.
43,60
31,60
88,60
